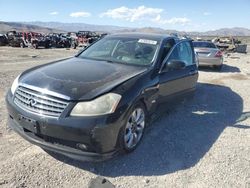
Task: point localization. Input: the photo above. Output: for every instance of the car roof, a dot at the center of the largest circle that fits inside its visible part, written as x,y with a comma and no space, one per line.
152,36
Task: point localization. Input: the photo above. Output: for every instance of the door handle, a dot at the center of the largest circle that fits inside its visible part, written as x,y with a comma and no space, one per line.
156,87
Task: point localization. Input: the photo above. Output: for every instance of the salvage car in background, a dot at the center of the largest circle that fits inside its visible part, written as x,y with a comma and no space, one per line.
85,38
208,54
40,41
15,39
3,40
98,103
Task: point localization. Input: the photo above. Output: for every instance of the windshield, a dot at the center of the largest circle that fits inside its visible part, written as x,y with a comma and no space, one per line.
122,50
204,44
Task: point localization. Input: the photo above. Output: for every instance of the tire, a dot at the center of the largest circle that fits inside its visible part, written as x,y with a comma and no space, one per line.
35,46
46,46
132,132
218,67
74,45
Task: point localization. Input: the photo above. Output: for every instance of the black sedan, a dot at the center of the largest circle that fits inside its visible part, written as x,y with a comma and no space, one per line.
98,103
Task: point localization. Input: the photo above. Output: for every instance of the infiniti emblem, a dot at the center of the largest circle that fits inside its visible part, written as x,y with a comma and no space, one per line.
32,102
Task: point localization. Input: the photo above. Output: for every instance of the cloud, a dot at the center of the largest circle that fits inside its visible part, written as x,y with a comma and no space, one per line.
207,13
80,14
143,13
162,21
53,13
132,14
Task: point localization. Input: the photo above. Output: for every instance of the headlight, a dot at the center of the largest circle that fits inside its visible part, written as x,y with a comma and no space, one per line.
105,104
14,85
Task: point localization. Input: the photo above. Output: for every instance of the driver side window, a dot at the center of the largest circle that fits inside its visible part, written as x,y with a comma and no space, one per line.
183,52
167,48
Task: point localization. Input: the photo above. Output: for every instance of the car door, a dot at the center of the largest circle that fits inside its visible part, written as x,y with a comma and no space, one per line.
179,81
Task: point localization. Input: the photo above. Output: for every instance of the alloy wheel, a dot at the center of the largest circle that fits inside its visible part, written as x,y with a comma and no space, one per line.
134,128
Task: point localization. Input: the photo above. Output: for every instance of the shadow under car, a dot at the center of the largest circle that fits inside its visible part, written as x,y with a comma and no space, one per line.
178,139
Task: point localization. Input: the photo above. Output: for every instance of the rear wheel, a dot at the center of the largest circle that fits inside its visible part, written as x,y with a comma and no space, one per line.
35,46
46,45
73,45
22,45
132,131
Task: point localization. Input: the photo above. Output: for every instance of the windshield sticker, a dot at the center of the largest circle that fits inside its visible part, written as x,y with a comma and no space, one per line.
146,41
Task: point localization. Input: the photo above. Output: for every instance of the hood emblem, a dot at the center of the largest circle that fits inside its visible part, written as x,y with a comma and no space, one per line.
32,102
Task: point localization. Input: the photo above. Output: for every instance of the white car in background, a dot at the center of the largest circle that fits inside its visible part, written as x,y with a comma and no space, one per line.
208,54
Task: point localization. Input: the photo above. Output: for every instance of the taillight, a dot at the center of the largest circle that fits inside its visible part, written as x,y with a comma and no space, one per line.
218,54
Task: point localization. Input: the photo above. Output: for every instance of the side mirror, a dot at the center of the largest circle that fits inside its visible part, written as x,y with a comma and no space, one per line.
174,65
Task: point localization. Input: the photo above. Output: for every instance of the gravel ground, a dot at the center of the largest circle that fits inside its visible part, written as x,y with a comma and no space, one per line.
203,142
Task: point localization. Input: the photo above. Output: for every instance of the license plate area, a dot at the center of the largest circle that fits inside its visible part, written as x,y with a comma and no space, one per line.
202,53
28,124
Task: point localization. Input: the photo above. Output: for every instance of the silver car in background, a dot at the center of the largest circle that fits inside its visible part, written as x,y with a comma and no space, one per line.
208,54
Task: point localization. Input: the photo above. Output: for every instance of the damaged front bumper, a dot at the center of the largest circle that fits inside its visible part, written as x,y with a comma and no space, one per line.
81,138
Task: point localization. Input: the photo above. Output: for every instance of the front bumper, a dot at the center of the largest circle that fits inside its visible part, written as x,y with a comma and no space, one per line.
67,135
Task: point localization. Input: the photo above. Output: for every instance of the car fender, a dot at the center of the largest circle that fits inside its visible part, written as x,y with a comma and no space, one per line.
143,87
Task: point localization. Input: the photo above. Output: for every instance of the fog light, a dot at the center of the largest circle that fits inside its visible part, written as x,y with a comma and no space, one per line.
81,146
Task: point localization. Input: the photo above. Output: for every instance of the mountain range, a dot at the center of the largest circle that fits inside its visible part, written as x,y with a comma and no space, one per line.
49,27
18,26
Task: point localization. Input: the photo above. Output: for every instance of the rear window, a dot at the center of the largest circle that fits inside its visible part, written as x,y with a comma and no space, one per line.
204,44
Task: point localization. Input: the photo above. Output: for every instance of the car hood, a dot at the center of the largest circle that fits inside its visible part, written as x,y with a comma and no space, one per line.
79,79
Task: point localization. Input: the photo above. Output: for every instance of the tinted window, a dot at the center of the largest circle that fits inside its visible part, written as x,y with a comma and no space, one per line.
183,52
137,51
167,46
103,50
204,44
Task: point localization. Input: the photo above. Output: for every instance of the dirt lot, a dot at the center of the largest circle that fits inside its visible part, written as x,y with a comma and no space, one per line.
204,142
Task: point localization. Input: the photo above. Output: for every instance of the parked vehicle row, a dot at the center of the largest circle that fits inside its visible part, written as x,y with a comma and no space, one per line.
56,40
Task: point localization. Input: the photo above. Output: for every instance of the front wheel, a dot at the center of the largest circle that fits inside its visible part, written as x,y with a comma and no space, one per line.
133,130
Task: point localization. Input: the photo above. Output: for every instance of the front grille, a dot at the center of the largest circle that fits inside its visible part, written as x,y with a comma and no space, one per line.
39,103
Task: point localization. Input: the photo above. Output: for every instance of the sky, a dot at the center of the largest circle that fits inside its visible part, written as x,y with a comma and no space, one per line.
189,15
